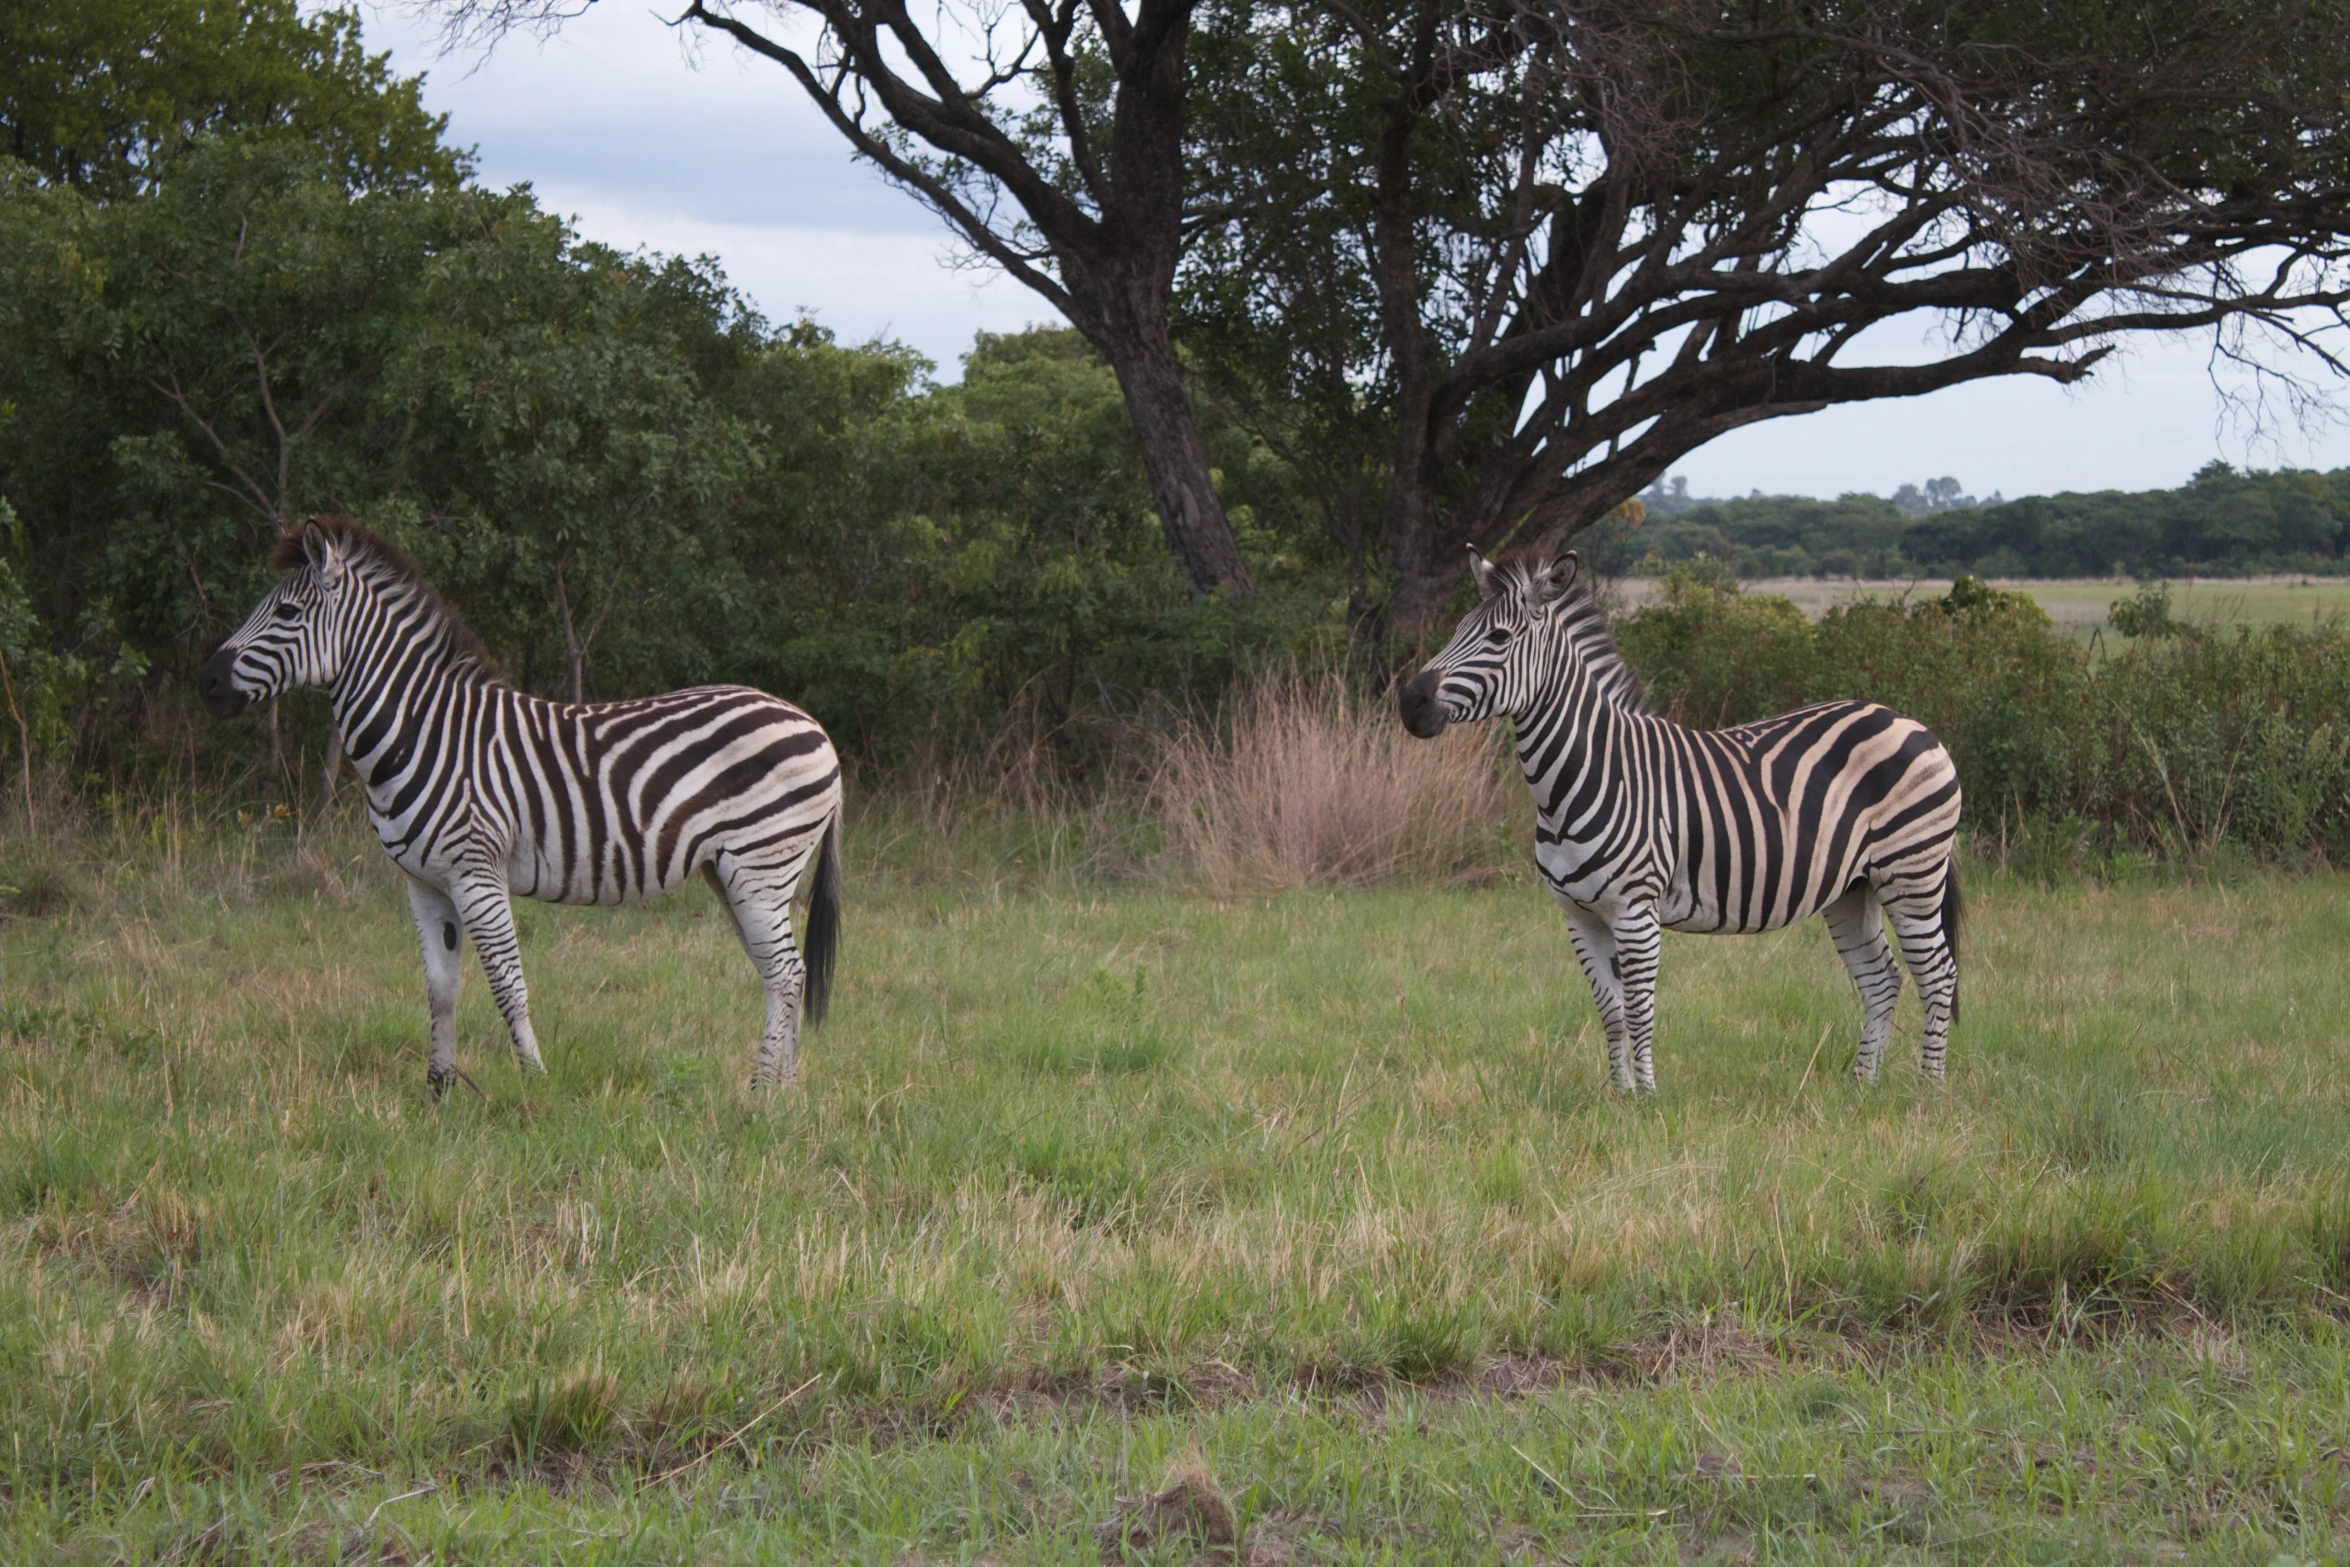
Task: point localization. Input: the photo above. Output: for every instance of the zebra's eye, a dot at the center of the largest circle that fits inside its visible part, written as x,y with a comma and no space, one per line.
287,609
1496,637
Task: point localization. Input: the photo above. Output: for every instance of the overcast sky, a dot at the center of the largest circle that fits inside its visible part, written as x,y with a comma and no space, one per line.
616,126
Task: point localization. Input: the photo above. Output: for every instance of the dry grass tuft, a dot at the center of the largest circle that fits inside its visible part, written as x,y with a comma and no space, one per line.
1317,784
1191,1506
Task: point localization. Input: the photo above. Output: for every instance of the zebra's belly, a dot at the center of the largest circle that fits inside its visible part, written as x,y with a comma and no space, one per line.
1702,911
619,879
1709,922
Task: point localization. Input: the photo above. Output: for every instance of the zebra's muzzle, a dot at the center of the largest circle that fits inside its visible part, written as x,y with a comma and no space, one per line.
220,695
1419,706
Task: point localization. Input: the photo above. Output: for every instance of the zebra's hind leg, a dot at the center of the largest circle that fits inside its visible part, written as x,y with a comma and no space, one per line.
489,924
444,972
1856,926
1925,925
759,901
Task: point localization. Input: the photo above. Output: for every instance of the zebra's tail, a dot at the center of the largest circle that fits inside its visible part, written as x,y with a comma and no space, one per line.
1953,912
823,942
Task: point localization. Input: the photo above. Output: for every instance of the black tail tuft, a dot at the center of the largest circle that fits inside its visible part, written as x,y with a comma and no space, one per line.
1953,913
823,942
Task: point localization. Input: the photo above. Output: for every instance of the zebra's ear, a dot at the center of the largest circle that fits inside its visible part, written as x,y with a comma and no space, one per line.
1553,578
1563,573
1488,580
323,554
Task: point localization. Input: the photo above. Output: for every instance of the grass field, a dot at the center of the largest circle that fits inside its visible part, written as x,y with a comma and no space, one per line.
2081,607
1111,1222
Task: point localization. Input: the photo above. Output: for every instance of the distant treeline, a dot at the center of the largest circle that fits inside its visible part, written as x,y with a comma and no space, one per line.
2220,523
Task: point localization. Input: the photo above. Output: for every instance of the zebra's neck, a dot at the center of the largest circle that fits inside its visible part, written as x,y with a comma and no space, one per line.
1578,717
404,654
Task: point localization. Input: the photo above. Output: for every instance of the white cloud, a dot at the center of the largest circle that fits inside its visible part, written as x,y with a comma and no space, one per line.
862,285
654,136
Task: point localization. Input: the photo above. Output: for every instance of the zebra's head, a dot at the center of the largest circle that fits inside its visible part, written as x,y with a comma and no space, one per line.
293,637
1489,666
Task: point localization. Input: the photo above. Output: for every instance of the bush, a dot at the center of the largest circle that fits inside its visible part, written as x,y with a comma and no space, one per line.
2185,742
1314,784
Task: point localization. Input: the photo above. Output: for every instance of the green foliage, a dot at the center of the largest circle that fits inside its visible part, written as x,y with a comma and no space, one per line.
2187,742
621,476
100,94
2145,615
567,465
1778,536
1709,650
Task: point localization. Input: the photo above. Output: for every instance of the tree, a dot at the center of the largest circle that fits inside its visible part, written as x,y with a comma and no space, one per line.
1525,254
99,93
184,373
562,458
187,371
1057,154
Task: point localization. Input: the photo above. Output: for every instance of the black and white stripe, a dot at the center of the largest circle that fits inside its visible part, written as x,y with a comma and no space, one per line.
478,790
1644,825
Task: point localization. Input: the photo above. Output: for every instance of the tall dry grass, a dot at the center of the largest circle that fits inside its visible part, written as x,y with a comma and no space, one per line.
1313,782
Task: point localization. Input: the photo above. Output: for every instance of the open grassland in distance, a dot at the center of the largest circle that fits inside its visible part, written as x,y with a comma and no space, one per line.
2077,607
1309,1213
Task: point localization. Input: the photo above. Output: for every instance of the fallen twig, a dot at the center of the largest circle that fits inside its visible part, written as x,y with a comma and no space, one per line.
426,1489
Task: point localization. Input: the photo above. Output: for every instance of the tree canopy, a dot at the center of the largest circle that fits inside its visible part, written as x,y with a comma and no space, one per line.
1485,268
98,93
1521,255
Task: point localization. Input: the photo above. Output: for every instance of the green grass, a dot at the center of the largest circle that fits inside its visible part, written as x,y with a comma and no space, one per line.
2217,601
1318,1200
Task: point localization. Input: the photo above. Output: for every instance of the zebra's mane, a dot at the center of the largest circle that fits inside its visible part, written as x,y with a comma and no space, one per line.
388,566
1584,619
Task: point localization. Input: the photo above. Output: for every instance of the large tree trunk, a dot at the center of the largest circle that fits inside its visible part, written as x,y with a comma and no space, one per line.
1119,273
1109,206
1422,584
1176,459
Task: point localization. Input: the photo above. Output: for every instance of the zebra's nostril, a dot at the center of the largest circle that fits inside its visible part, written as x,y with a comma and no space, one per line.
1417,706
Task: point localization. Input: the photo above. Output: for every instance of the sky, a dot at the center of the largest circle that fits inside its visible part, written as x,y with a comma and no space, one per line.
646,136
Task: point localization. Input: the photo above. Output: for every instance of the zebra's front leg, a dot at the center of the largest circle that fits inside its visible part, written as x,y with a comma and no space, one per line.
489,924
1639,939
1597,950
444,972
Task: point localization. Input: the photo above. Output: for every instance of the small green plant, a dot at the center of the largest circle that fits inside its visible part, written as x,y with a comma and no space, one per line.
2145,615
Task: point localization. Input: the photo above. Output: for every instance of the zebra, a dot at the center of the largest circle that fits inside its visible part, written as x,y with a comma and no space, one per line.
1845,809
477,790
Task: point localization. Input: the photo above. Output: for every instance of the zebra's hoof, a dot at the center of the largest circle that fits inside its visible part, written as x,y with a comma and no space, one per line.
436,1082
